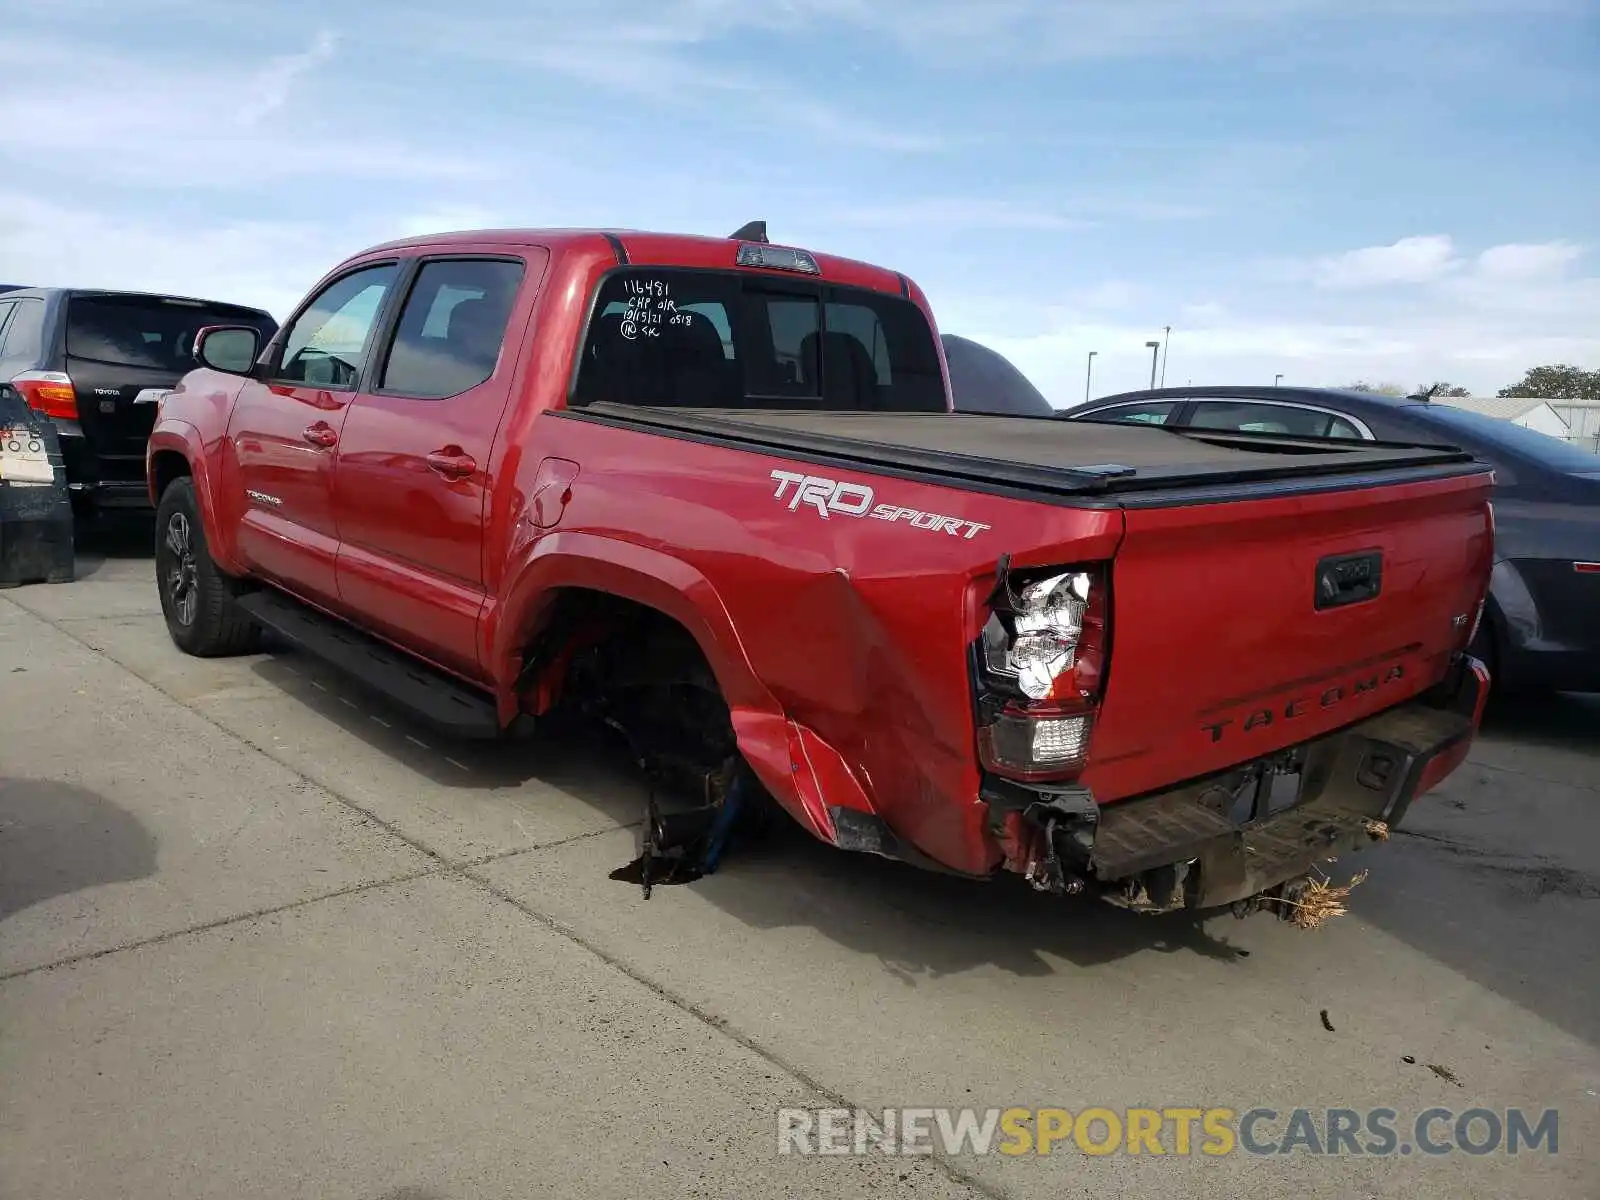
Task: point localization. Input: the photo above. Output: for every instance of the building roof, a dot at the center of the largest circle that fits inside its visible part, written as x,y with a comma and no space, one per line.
1508,408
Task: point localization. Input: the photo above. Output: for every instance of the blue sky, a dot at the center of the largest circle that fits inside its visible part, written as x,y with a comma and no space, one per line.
1330,189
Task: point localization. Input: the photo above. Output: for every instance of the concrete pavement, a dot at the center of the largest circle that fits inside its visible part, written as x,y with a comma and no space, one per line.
261,937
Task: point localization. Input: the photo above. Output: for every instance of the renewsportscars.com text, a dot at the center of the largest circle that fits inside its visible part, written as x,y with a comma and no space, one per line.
1212,1132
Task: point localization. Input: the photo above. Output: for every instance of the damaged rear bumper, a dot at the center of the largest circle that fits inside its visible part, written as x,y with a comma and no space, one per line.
1224,839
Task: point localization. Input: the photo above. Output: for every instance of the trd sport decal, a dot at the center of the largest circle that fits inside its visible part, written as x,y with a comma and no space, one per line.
830,496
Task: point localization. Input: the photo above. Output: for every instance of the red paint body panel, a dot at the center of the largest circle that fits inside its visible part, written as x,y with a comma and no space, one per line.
297,541
1219,651
840,645
411,541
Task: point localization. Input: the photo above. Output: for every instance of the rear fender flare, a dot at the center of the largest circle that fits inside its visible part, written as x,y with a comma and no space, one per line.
769,741
182,438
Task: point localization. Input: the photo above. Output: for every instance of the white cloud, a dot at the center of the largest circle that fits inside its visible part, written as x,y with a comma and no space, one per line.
1528,261
269,89
662,57
268,263
1475,354
1478,329
1409,260
177,122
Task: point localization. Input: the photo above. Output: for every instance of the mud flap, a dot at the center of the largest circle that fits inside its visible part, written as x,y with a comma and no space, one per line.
35,508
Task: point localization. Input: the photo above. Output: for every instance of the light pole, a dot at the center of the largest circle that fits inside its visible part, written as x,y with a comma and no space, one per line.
1166,339
1088,375
1275,380
1155,351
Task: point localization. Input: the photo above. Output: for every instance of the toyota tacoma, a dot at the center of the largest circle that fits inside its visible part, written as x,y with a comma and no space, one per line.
713,492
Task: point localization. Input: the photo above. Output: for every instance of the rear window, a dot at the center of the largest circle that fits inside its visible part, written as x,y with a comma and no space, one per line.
142,332
1528,444
710,339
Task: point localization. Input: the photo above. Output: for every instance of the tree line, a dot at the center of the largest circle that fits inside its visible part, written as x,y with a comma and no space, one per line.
1557,381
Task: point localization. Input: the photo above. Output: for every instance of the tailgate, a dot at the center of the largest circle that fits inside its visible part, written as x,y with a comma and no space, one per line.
1245,627
117,410
123,350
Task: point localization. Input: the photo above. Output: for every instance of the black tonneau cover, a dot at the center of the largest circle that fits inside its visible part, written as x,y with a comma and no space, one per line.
1045,456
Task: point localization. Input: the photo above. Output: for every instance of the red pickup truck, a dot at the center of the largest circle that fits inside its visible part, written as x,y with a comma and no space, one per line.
712,491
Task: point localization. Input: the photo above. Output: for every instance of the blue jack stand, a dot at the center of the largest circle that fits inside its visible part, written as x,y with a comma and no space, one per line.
727,816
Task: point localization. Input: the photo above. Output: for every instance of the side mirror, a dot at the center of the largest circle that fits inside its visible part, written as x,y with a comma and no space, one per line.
229,348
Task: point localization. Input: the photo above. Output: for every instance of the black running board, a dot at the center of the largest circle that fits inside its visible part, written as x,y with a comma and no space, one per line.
428,694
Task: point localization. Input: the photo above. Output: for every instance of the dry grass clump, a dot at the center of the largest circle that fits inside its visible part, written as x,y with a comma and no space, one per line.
1318,902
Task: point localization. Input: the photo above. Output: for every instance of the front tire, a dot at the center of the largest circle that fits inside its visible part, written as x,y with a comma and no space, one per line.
197,599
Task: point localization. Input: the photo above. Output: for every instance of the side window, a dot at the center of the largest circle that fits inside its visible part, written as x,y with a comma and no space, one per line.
327,344
452,327
1261,417
1155,412
5,315
24,333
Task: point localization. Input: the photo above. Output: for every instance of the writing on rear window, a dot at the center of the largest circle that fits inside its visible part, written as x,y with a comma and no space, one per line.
649,307
682,337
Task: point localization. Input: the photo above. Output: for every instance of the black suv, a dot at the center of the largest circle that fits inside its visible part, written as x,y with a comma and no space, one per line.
95,362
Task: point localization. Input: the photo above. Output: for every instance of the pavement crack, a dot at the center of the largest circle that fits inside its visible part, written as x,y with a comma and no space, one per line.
484,860
1529,775
223,922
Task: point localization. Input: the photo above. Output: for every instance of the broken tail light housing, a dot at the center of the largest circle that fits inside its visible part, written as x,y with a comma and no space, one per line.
1040,665
48,392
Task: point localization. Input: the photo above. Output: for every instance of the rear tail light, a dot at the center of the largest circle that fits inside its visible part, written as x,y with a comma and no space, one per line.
1040,664
48,392
1026,745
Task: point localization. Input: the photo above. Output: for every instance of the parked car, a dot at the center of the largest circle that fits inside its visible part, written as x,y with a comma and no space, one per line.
1541,629
711,492
94,362
985,381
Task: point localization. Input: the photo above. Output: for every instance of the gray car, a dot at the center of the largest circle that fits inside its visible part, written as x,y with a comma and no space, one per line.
985,381
1541,628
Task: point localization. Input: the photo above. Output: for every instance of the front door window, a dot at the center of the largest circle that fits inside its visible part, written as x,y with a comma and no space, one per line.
327,344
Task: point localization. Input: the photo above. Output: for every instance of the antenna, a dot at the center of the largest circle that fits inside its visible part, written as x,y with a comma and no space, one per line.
755,231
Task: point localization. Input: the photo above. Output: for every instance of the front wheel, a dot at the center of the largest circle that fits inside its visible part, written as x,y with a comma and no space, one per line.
197,599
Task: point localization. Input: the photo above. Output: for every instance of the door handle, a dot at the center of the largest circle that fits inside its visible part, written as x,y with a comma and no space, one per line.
321,434
452,463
